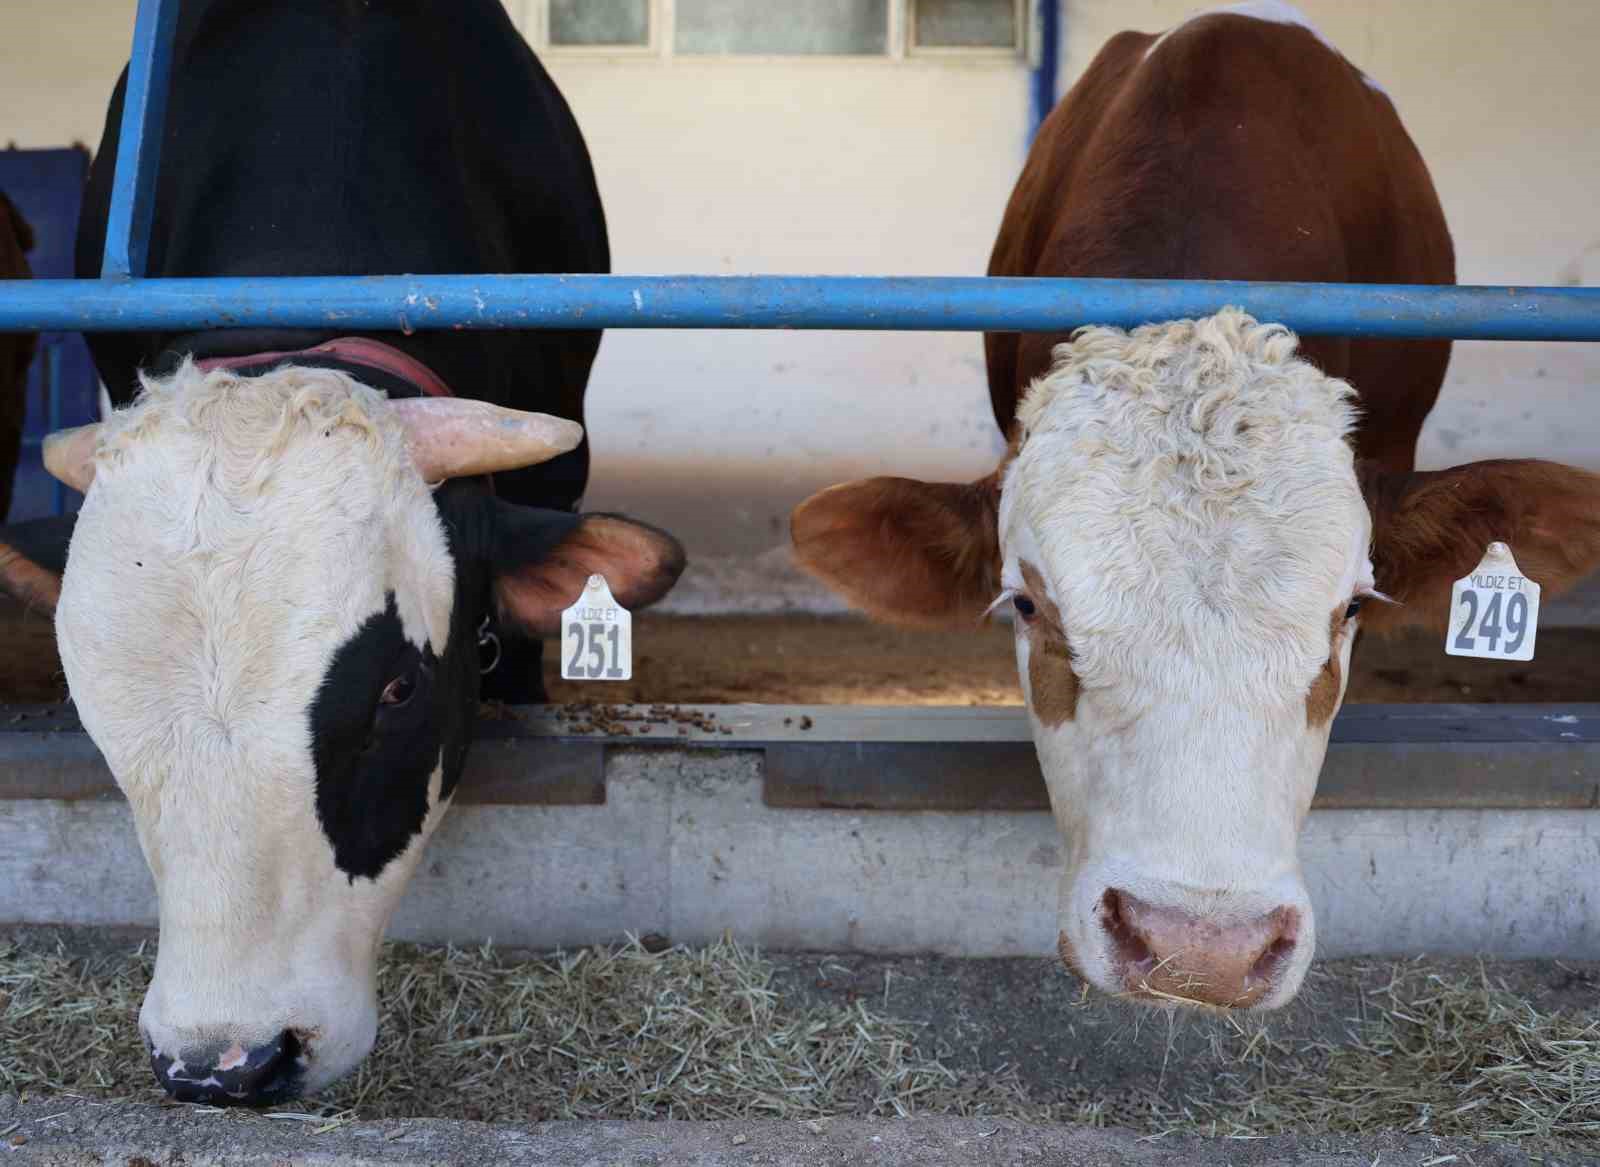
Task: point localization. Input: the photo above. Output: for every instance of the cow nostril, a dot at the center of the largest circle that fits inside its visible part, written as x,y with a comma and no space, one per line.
1285,935
233,1075
1131,949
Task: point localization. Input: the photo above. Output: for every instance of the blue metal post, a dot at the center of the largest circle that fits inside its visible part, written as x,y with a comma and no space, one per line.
144,120
1044,76
893,303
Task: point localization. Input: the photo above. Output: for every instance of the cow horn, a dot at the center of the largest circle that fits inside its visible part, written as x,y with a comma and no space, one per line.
451,437
69,455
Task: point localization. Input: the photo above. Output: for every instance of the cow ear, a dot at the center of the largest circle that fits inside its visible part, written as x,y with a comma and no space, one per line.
924,554
543,558
33,555
1430,529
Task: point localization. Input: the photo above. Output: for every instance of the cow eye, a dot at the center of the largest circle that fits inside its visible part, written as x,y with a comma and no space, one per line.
1354,609
1024,606
399,690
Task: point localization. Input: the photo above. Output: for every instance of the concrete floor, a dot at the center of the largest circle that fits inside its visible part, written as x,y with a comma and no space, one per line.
54,1131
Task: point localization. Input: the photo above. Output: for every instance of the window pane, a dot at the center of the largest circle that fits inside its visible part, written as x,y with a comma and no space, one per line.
854,27
967,24
599,22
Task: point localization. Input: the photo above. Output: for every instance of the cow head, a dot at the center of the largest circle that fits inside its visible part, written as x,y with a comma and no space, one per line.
267,619
1187,547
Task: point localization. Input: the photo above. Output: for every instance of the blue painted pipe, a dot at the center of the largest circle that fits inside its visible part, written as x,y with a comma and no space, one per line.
1044,76
931,304
144,121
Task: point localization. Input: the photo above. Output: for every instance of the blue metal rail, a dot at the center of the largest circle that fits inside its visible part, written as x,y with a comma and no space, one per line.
953,304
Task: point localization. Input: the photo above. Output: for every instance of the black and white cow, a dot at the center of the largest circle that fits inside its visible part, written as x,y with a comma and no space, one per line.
269,609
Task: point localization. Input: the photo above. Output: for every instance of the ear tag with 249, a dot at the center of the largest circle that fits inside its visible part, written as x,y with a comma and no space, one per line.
596,636
1494,611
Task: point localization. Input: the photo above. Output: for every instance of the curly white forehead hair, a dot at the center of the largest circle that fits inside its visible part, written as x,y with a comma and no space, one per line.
1184,477
247,421
1224,386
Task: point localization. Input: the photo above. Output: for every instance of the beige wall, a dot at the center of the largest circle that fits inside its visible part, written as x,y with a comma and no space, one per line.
791,167
58,62
885,167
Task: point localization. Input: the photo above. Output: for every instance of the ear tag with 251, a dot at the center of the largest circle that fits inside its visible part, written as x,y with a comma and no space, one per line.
596,636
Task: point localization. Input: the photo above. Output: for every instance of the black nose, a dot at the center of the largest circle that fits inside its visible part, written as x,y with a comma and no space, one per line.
232,1075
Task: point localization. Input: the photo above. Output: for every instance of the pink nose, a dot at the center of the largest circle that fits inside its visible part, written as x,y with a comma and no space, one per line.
1167,953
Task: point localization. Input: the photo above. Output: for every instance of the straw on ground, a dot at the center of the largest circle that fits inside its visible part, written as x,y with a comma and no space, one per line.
699,1033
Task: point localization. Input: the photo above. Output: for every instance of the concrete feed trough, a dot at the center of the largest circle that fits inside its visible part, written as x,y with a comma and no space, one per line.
1440,829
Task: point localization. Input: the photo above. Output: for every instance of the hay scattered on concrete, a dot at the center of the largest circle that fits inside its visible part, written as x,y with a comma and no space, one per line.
1433,1054
70,1024
600,1033
621,1032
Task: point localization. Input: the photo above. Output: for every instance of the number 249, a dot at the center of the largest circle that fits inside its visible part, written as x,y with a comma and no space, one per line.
1515,628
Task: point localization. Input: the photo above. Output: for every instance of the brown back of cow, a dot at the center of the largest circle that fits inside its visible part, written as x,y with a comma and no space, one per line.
16,349
1240,149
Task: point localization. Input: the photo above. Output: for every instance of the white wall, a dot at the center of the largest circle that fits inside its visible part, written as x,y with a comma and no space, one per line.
904,167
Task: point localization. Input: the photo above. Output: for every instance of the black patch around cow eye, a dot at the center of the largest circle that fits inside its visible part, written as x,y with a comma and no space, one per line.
1354,609
375,755
398,691
1024,606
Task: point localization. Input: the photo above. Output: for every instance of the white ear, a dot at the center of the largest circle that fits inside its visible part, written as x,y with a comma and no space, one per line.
452,437
69,455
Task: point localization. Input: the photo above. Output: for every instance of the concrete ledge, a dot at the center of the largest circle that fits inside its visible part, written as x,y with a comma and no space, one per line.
71,1133
892,758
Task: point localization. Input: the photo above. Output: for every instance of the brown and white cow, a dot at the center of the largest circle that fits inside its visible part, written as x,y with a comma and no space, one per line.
1194,516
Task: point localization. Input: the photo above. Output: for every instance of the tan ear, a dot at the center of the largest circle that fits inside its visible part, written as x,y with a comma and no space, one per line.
923,554
69,455
543,559
1431,528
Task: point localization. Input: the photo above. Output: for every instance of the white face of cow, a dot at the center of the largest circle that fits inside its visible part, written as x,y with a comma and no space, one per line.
1184,537
267,622
1184,541
255,556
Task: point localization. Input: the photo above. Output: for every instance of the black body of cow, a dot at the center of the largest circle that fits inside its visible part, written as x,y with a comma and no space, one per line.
16,349
348,138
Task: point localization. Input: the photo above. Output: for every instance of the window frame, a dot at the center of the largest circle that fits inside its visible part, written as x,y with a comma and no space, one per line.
532,18
1017,50
534,22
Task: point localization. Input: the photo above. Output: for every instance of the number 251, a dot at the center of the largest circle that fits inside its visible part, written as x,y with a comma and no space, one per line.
597,636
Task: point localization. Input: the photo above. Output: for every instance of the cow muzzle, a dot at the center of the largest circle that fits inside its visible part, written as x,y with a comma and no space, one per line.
232,1075
1172,954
